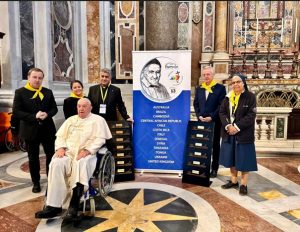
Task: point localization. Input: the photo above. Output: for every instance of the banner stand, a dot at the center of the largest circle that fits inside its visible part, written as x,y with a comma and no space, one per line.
161,109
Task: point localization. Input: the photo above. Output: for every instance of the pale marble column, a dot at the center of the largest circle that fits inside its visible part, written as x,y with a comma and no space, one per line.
221,26
43,46
93,41
161,25
221,56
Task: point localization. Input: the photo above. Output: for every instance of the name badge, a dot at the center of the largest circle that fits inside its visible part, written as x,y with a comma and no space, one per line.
102,109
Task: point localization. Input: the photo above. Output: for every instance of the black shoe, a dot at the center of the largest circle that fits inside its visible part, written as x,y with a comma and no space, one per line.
48,212
243,190
36,187
72,214
213,174
230,185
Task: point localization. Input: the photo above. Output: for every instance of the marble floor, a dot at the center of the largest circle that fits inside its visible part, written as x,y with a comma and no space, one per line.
161,202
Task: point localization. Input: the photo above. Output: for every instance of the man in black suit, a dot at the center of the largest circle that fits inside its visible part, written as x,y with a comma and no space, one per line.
35,106
208,98
106,98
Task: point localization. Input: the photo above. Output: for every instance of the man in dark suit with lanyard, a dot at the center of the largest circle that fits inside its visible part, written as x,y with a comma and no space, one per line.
208,98
35,106
106,98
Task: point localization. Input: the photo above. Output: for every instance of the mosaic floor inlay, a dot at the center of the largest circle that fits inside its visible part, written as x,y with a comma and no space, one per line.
161,202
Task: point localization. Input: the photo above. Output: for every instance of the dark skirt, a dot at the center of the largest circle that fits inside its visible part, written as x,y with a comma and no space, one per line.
242,156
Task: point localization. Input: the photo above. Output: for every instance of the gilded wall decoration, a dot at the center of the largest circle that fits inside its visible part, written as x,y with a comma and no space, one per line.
263,22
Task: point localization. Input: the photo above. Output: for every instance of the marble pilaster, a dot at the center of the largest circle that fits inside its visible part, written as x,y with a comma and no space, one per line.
93,41
196,41
161,25
221,56
221,26
27,38
43,40
105,35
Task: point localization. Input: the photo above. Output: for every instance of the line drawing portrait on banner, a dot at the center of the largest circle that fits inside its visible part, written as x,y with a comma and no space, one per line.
159,77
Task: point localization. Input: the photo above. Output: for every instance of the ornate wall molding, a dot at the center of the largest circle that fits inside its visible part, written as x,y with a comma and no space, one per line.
208,30
126,36
184,25
93,41
197,13
63,39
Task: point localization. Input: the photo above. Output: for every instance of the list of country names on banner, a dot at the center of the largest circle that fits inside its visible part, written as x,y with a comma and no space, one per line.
161,125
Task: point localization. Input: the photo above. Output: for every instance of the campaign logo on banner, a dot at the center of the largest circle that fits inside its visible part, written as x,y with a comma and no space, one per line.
161,108
159,89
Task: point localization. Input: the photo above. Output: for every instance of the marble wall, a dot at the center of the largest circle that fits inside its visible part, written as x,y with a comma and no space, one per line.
196,43
62,26
126,36
161,25
93,41
27,37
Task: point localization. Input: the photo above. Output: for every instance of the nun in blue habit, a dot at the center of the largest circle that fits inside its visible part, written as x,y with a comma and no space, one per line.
237,114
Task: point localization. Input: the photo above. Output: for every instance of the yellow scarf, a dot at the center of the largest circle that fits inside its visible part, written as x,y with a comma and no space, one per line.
75,96
208,87
234,100
37,91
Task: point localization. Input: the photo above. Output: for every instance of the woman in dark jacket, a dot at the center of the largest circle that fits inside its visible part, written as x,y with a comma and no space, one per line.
70,103
237,114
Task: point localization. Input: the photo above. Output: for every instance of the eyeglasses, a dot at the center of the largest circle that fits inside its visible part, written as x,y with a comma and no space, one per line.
236,82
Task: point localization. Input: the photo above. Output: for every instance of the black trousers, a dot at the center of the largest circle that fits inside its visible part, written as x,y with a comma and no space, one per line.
34,155
216,146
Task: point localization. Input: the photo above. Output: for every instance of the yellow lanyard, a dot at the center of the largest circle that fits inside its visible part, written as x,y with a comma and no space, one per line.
37,91
234,100
105,94
208,87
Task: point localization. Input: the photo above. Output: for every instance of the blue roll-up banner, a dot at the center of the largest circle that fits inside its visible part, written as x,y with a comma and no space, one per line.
161,108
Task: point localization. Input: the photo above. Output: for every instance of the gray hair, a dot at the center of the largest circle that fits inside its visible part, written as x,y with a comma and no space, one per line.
209,68
106,70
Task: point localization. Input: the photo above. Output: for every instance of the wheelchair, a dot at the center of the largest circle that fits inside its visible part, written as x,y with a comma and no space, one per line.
103,178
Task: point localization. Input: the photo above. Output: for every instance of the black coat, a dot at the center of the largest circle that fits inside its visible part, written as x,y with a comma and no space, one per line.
209,107
245,115
70,106
113,102
25,109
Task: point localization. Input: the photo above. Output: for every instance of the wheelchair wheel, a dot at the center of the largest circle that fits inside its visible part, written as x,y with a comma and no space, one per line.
9,140
107,174
23,146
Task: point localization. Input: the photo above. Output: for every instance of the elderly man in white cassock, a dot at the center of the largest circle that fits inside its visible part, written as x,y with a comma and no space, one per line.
77,141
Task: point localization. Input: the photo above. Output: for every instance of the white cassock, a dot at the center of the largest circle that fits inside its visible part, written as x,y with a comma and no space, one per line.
74,135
